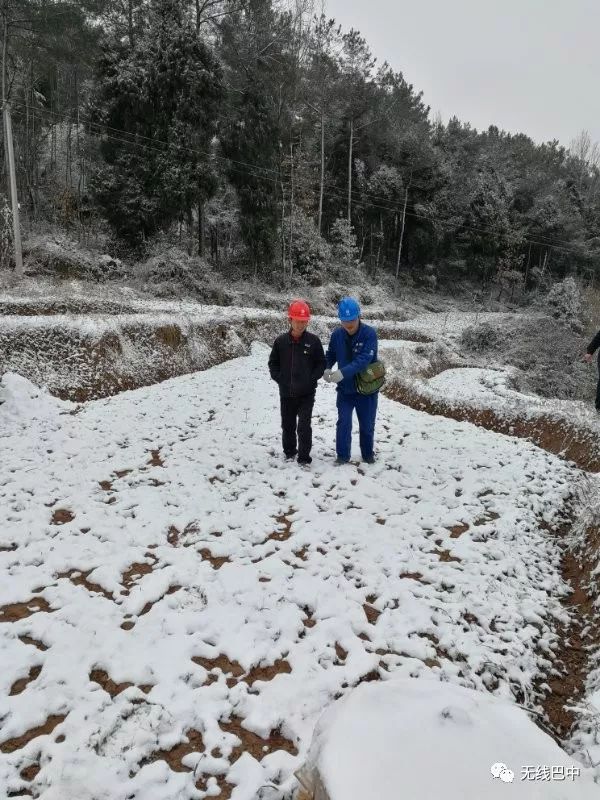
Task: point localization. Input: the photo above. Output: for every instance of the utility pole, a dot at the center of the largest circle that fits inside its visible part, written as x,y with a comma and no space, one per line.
401,235
350,170
8,141
291,209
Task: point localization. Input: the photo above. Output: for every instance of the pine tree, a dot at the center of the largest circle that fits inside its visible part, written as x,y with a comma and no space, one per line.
251,134
345,251
164,93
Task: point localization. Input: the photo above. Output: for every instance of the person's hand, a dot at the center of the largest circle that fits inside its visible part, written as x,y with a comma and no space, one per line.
588,358
336,377
327,375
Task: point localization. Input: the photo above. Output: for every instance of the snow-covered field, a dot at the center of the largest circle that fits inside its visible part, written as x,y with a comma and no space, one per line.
176,590
438,373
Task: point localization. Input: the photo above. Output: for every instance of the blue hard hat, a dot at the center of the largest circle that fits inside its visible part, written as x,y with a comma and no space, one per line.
348,309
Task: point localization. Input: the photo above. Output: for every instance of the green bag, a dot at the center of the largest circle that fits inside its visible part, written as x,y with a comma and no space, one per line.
371,379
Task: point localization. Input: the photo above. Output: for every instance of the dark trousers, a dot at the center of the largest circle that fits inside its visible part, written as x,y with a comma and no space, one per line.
366,411
598,390
296,430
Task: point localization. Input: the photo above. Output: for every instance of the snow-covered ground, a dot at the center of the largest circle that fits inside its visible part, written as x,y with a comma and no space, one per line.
159,540
372,745
487,388
124,301
476,387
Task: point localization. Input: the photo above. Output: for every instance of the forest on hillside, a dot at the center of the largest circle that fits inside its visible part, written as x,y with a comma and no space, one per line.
261,136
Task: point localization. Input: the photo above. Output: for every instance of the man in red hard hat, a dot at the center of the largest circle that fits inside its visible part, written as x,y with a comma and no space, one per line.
296,363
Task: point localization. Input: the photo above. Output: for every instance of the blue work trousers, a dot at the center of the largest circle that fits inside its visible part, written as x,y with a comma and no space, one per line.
366,411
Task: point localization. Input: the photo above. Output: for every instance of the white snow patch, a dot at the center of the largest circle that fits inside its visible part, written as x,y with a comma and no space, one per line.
425,739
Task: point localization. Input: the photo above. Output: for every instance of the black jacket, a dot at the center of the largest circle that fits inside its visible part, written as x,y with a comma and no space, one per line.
594,345
297,366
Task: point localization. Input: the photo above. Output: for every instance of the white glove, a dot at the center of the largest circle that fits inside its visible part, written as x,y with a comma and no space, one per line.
336,377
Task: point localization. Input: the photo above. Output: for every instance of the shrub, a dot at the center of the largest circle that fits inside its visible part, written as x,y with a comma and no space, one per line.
344,248
565,303
311,254
479,338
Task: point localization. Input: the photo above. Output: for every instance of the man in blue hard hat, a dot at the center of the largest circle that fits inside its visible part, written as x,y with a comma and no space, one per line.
353,346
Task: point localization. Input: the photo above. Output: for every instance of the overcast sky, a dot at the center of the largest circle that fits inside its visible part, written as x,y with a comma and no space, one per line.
524,65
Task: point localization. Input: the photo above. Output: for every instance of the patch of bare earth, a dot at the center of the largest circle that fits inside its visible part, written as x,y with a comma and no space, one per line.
155,459
16,611
234,672
226,789
21,684
174,756
148,606
371,613
18,742
131,576
187,536
30,772
231,669
61,516
414,576
284,527
340,653
254,744
81,579
249,743
215,561
136,571
279,667
445,556
308,621
34,642
458,530
578,642
103,679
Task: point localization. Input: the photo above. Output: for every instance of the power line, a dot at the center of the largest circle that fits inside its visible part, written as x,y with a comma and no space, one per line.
355,193
157,145
152,141
357,202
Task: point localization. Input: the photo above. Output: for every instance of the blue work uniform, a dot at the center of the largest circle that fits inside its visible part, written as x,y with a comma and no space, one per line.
353,354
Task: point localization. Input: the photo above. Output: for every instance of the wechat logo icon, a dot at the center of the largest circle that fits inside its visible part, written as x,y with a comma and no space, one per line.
500,770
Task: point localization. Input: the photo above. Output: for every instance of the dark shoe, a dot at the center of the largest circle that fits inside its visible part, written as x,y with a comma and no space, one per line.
339,461
305,461
290,456
369,460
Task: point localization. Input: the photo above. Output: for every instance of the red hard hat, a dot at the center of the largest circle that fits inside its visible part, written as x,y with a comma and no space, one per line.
299,310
